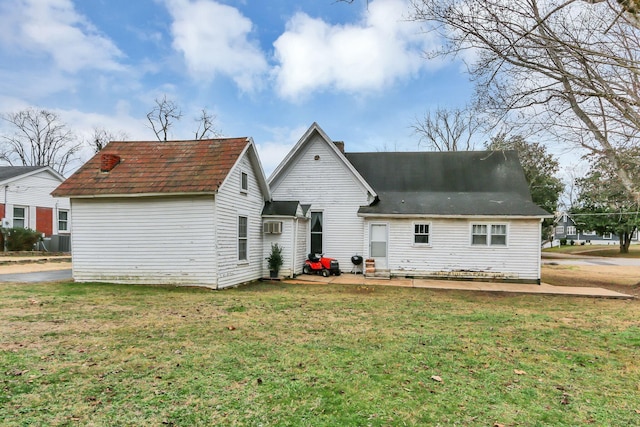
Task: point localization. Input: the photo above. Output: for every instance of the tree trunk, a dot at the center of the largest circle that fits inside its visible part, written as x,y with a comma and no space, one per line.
625,241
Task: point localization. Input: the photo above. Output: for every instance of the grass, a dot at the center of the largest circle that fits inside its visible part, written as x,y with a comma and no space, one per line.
293,355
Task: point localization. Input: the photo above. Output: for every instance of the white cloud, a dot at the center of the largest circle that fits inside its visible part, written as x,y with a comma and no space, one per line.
282,140
383,48
214,39
54,28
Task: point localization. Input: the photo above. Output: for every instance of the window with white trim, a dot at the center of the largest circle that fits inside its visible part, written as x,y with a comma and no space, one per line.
19,217
498,235
560,229
63,220
589,233
571,230
421,233
489,234
244,182
607,236
242,237
479,234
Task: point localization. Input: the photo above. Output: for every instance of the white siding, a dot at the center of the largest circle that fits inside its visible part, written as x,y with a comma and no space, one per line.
144,240
451,254
31,192
328,186
230,204
285,241
301,244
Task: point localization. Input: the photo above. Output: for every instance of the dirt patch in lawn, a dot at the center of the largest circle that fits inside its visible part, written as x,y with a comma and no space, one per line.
618,278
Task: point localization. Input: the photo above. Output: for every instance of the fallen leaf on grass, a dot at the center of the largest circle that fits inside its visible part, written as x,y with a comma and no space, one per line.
519,372
436,378
637,411
498,425
231,328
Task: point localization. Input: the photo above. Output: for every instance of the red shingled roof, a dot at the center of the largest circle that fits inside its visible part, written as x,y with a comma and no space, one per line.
157,167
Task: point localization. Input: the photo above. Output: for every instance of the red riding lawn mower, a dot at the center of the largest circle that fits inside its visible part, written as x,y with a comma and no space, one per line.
318,264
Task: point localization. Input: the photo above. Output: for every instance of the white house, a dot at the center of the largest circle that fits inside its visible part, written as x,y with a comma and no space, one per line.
202,212
426,214
178,212
27,203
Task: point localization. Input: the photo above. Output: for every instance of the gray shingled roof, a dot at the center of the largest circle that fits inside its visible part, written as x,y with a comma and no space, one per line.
279,208
446,183
8,172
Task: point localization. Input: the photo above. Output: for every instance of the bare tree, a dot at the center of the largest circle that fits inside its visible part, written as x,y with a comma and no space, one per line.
39,138
447,130
101,137
565,66
206,127
163,116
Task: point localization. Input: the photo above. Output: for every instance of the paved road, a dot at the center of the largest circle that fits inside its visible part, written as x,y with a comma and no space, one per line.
554,259
42,276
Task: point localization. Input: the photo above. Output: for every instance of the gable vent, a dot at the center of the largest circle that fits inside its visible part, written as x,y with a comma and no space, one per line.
108,162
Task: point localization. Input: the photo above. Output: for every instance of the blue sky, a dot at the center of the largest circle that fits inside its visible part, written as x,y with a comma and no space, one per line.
266,69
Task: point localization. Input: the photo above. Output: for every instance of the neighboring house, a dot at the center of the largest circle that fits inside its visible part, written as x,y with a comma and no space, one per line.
178,212
27,203
565,227
425,214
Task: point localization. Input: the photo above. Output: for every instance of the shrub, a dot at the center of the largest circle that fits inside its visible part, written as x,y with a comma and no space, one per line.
563,242
22,239
275,260
573,242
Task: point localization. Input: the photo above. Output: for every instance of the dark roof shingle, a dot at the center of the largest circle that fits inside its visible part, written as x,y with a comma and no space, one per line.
152,167
446,183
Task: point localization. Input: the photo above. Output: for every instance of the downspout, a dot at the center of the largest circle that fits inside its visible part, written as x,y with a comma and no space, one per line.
294,252
4,233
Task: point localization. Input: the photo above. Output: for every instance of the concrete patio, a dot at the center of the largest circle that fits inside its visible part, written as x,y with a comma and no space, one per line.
514,288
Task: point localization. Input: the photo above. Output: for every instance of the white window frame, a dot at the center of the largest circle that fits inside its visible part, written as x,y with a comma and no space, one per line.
321,233
589,233
571,230
241,238
24,218
65,221
244,183
559,229
489,230
607,236
415,234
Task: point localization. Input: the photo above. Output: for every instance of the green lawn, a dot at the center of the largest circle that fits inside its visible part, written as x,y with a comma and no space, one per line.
270,354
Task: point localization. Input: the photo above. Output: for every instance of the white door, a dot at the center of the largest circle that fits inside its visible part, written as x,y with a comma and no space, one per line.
378,245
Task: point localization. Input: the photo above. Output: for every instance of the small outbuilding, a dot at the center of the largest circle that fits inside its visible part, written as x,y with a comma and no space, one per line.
177,212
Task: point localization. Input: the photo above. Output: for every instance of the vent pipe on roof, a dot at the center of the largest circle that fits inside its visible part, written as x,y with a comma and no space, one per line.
340,145
108,162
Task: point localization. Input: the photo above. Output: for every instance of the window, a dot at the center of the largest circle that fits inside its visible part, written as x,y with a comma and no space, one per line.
498,235
571,230
479,234
242,238
607,236
316,232
489,234
589,233
564,218
560,229
244,182
19,217
63,220
421,234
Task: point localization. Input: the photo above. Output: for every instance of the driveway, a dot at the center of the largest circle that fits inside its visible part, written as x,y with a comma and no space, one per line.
566,259
39,276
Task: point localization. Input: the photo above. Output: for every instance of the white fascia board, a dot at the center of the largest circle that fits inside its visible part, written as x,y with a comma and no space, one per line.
141,195
303,141
474,217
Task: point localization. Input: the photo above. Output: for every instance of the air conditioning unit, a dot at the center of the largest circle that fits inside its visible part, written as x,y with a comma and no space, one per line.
7,223
272,227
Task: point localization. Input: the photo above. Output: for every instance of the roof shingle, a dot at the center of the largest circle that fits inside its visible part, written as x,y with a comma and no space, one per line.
153,167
